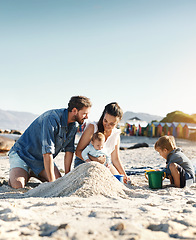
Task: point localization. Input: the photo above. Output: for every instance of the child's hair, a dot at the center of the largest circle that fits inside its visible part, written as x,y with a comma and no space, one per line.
167,142
98,136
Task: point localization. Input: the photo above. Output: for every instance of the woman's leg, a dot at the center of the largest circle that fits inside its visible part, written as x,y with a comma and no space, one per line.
175,174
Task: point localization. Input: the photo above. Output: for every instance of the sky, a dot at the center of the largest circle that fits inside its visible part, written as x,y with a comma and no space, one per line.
139,53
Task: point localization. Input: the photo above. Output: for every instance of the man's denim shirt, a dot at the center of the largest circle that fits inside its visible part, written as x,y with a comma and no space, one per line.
49,133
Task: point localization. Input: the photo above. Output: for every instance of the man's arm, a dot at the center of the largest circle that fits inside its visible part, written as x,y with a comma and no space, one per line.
67,161
49,166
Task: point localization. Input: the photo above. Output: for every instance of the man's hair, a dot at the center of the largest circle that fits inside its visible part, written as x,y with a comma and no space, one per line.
167,142
98,136
78,102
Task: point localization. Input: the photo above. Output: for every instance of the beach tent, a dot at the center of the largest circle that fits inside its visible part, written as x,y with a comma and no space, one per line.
185,131
151,130
166,129
134,130
160,129
179,130
139,130
145,131
173,129
156,129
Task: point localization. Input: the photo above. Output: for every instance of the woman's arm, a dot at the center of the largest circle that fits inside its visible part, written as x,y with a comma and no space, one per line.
84,140
117,162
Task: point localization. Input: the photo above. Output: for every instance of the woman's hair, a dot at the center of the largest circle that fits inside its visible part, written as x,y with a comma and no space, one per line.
98,136
112,109
167,142
78,102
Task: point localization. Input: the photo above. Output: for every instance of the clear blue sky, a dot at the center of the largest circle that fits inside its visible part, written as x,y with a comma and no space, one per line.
139,53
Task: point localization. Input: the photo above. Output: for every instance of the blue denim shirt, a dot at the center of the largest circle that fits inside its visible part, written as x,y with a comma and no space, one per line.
49,133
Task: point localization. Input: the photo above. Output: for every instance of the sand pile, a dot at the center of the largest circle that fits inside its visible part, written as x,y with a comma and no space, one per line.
86,180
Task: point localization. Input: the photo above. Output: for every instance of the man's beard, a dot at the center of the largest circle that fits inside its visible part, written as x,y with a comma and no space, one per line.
77,119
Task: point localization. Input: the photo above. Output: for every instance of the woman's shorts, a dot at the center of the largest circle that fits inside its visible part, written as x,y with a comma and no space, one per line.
16,161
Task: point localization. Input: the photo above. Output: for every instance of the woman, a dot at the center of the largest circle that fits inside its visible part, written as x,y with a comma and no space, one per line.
111,115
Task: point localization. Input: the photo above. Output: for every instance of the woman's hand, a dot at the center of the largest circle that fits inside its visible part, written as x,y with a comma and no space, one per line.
126,179
100,159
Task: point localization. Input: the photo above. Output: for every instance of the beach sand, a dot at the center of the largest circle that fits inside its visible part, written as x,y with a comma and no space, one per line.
89,203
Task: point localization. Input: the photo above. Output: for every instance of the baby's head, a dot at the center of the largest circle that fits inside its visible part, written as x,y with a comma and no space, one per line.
165,145
98,140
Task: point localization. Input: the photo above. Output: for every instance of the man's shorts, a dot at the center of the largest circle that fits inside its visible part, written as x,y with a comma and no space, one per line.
16,161
185,178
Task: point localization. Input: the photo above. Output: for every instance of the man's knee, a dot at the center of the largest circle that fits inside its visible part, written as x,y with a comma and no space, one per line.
19,183
18,178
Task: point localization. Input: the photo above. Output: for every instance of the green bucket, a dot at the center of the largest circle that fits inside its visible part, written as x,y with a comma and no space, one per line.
155,178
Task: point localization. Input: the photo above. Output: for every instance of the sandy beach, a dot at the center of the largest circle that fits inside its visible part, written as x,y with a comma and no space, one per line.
90,203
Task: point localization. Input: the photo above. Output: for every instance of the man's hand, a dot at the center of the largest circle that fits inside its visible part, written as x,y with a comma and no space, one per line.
67,161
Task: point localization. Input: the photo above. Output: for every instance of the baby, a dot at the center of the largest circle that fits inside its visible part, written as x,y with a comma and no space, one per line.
95,149
179,169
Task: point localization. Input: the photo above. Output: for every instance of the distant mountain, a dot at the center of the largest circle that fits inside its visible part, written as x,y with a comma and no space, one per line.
15,120
143,116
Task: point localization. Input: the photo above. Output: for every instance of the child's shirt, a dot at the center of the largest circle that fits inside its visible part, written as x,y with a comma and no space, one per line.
177,156
95,153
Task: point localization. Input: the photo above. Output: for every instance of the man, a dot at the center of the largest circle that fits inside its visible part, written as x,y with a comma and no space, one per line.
50,133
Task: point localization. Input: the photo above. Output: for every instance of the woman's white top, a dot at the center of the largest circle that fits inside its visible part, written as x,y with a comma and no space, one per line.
111,141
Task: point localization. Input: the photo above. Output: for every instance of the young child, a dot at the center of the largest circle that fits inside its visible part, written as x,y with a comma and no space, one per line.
96,148
179,169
